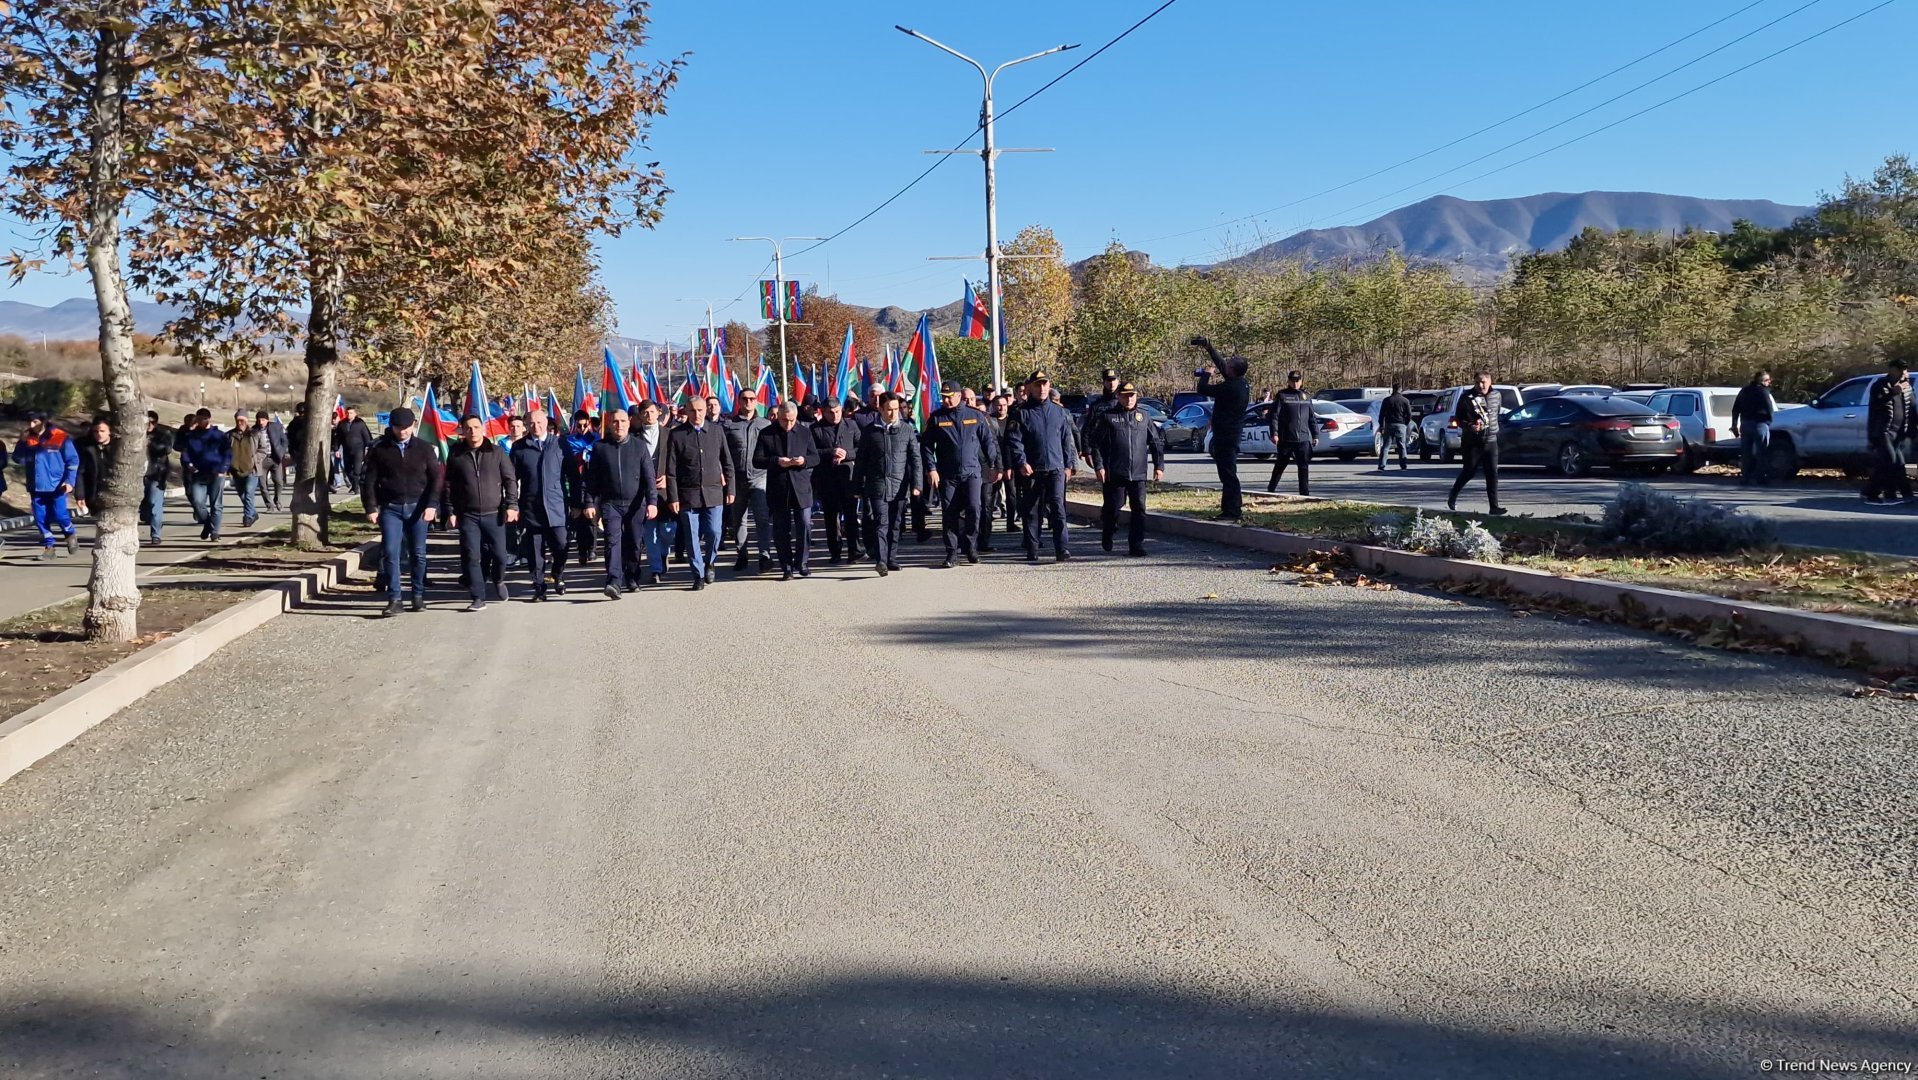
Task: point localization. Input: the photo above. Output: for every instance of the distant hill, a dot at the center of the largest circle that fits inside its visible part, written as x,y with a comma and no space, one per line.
73,320
1481,237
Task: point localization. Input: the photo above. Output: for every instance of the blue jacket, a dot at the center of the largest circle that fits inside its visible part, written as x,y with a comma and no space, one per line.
1041,437
206,452
959,443
542,479
579,454
48,461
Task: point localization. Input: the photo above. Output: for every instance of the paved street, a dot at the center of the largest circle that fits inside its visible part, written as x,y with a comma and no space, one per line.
1090,825
32,584
1817,514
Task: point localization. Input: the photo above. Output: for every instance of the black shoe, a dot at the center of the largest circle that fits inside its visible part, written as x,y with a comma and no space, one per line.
559,587
247,523
785,575
740,566
711,574
73,543
1012,526
924,536
1451,503
611,591
1228,517
1136,553
881,567
1270,490
943,564
764,564
1032,556
539,596
418,605
1063,556
972,557
892,566
805,572
1498,511
206,532
833,561
985,549
477,605
154,542
1105,542
215,538
699,583
503,590
392,609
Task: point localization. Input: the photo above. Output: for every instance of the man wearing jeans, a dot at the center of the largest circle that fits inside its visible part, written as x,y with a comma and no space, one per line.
401,492
1395,425
159,468
246,468
1752,413
698,466
661,529
206,456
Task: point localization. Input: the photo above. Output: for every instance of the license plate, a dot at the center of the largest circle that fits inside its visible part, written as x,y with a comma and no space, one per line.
1648,432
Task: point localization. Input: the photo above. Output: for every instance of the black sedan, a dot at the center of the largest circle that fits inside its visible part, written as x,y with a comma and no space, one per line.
1574,434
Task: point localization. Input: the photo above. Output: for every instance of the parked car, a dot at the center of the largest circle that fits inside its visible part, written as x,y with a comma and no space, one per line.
1438,432
1704,415
1350,431
1586,389
1643,397
1573,434
1186,397
1827,432
1354,395
1187,427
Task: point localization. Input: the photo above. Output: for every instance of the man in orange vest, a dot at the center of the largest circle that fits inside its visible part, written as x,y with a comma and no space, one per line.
52,465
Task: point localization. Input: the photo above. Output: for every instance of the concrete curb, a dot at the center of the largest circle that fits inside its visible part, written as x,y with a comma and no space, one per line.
32,735
1834,636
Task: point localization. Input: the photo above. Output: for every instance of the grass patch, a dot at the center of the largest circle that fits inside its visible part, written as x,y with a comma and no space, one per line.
1856,584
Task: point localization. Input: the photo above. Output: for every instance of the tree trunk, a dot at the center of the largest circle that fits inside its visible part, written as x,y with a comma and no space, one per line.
310,486
113,591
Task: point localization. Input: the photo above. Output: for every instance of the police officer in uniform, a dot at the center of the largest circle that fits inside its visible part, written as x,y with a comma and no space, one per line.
1107,401
1294,432
1124,442
1043,452
960,455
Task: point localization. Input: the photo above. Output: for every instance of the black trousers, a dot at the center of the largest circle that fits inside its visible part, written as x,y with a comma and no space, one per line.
625,541
792,534
1225,455
583,539
1016,486
1045,495
543,542
1479,454
884,520
1131,493
1288,453
841,511
483,551
960,520
1888,476
917,506
351,464
994,505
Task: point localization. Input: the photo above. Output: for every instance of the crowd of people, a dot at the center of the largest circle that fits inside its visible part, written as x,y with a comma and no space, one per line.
641,492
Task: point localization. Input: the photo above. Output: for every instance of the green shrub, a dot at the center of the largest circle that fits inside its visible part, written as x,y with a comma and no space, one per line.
55,397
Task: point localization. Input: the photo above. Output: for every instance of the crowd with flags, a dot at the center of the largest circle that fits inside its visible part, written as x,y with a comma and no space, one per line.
641,481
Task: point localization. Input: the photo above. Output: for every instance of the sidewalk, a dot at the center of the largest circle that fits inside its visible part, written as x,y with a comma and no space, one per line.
27,584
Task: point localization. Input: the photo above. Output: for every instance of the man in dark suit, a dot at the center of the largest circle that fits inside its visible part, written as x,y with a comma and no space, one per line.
698,466
785,452
1044,452
539,462
886,474
1231,396
836,437
620,494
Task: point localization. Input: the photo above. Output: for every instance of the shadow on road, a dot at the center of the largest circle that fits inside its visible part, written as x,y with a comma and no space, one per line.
895,1025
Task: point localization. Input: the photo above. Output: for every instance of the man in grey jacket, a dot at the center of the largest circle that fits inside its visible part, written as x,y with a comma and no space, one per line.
742,437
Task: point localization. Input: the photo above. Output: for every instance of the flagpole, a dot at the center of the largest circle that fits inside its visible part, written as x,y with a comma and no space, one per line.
779,292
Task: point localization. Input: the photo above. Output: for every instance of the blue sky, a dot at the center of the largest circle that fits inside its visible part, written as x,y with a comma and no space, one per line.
797,120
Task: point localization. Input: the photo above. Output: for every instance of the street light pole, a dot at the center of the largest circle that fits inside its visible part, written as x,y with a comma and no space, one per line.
990,154
779,293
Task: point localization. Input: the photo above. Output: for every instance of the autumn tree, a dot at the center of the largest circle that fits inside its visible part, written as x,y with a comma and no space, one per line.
1036,297
818,342
348,122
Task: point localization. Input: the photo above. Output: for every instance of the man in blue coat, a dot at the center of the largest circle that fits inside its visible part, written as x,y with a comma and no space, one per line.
1041,444
207,455
52,464
539,460
961,455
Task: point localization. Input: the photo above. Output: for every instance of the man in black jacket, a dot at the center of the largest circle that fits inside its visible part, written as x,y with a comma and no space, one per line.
479,482
1230,397
1125,444
1752,412
95,450
1477,416
273,469
836,437
539,465
886,473
354,439
698,466
620,492
1395,425
1889,422
1045,453
1107,401
401,493
961,455
1294,431
998,491
786,454
159,467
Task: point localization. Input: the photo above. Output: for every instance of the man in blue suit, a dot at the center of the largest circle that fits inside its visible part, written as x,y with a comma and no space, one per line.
539,460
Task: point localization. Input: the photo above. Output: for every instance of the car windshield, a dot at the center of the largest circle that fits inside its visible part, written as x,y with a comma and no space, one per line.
1614,406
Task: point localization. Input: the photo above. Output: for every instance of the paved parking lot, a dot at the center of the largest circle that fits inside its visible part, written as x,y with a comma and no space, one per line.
1816,513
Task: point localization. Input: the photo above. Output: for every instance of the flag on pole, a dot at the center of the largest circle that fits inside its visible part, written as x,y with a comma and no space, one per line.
974,316
800,390
842,375
612,386
896,372
768,300
581,399
765,394
554,418
435,427
339,407
719,383
649,385
926,360
795,304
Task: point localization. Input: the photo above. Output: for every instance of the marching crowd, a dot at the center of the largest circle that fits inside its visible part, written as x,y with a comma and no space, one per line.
642,490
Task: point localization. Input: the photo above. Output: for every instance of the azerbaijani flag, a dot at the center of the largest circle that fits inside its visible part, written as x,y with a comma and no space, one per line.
801,390
435,428
765,393
896,372
554,418
922,351
476,404
612,385
581,399
649,385
974,315
842,375
719,379
339,407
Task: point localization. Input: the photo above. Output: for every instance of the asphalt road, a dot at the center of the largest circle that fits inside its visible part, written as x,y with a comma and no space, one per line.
1119,818
31,583
1815,514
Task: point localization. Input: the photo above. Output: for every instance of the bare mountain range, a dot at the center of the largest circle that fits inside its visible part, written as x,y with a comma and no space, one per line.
1481,237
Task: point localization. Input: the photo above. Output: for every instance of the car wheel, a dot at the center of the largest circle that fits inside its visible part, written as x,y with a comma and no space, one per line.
1784,459
1348,455
1571,460
1445,454
1691,462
